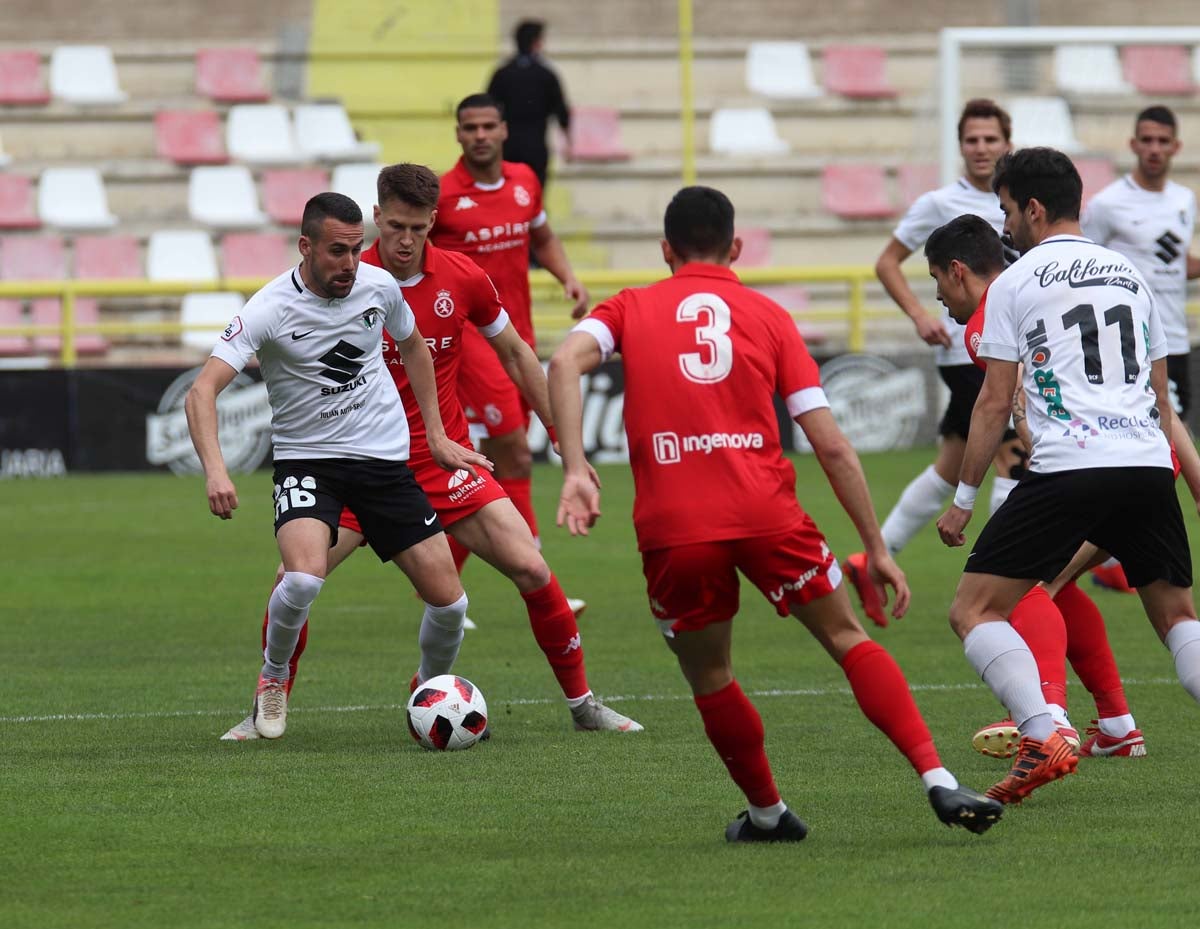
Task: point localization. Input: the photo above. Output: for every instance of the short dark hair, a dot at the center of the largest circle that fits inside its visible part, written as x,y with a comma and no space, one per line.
328,206
699,223
983,108
969,239
414,185
478,102
1157,114
527,32
1042,174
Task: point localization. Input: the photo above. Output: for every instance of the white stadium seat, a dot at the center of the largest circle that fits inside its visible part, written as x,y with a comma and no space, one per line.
357,181
1089,69
782,70
85,74
225,197
181,255
1043,121
212,309
74,198
323,130
261,133
744,132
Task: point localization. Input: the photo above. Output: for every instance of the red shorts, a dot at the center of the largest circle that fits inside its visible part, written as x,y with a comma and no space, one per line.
453,496
488,395
692,586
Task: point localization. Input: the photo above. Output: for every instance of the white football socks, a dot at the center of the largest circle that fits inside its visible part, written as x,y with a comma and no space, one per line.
1001,488
287,611
1116,727
441,636
938,777
921,502
1184,642
766,817
1001,657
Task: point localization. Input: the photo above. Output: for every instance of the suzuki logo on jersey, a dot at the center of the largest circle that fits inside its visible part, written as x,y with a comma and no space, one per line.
342,366
521,195
669,447
1168,247
465,203
488,233
444,304
1090,273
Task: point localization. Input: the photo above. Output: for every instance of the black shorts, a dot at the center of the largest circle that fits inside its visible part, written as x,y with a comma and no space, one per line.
389,503
964,382
1181,384
1132,513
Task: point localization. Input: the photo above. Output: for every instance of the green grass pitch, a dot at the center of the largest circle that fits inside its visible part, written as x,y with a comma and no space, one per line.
129,642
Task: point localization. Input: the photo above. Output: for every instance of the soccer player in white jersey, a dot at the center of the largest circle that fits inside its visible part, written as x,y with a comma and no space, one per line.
1150,220
984,133
338,429
1083,323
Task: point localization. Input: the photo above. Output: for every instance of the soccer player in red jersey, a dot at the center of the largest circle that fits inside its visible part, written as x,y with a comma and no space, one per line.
703,358
491,209
449,296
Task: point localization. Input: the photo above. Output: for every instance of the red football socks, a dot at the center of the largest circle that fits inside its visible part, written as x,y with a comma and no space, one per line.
557,635
736,732
1041,625
1089,652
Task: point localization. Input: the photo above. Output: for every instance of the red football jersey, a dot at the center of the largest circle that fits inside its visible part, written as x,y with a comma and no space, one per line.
973,333
491,223
704,357
450,292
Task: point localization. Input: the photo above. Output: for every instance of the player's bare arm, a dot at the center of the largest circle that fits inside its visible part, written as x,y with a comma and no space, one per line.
887,269
988,421
523,368
550,255
1193,267
579,502
1189,458
844,471
200,405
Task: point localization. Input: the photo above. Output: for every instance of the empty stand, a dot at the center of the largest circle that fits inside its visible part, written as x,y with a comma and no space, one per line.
782,70
856,192
224,196
916,179
744,132
1159,69
1089,69
181,255
756,247
85,74
21,80
1043,121
261,133
857,71
74,198
47,311
107,257
1096,174
230,75
190,137
596,134
5,158
16,203
32,258
12,313
214,310
323,130
357,181
257,254
286,190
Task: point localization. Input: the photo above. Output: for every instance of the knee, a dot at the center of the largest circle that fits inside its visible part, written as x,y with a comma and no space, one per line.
530,573
298,589
962,618
512,455
451,615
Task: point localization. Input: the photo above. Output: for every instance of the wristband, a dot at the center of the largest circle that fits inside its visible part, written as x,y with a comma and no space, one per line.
964,496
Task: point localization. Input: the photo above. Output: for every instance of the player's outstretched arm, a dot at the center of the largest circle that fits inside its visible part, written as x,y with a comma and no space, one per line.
579,502
200,405
887,269
844,471
548,250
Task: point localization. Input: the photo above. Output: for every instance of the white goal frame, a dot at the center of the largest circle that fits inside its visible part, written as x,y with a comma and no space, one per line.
951,42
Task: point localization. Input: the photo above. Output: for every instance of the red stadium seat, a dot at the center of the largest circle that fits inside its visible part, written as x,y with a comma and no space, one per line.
32,258
1158,69
858,71
916,179
230,75
12,314
16,203
856,192
48,312
756,247
107,257
21,80
256,254
190,137
596,134
1096,174
286,190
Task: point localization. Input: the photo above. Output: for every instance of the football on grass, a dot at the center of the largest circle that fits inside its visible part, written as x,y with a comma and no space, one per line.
447,713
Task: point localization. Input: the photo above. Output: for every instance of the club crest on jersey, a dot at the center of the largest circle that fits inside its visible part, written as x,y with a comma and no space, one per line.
370,317
521,195
444,304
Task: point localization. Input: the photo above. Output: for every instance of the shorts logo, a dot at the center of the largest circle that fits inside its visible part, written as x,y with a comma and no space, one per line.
666,448
457,478
233,330
521,195
492,414
444,304
294,494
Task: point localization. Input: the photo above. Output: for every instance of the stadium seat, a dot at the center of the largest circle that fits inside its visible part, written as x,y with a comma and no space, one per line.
857,71
286,190
1159,69
323,130
782,70
261,133
21,81
856,192
1043,121
107,257
224,196
357,181
47,311
744,132
212,309
74,198
181,255
85,74
596,134
1096,174
257,254
12,313
190,137
756,247
1089,69
230,75
32,258
16,203
916,179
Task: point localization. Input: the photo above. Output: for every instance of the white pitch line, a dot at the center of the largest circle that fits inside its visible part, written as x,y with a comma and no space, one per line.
519,701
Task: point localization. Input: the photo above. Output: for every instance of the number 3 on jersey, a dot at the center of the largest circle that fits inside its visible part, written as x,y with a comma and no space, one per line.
712,335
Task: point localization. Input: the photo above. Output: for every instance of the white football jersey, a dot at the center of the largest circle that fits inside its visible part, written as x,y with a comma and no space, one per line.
322,360
1153,229
1083,323
936,208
